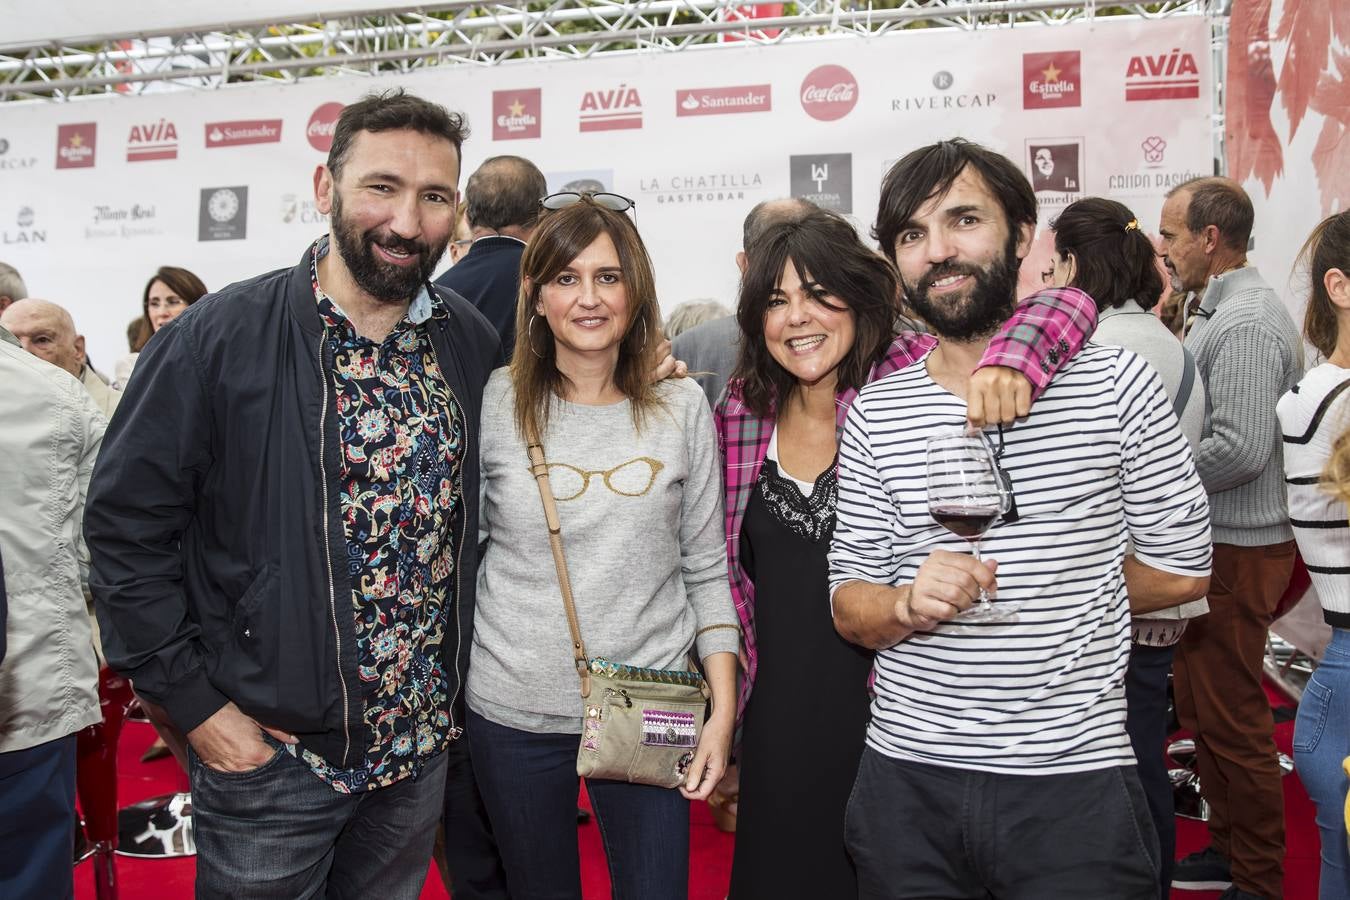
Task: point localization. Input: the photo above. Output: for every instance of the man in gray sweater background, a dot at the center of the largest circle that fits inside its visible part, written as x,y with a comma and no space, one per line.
1249,353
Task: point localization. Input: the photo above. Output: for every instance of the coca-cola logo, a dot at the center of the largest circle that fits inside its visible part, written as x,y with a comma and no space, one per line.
322,124
829,93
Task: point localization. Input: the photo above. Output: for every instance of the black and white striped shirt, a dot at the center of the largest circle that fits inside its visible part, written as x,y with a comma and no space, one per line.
1100,459
1312,416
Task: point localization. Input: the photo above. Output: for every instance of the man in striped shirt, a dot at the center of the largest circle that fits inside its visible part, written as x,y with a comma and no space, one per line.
997,762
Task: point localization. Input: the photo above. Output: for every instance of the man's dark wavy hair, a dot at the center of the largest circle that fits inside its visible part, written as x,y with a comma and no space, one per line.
823,247
932,170
390,111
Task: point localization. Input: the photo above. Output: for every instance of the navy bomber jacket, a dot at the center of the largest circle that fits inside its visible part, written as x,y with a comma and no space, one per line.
214,517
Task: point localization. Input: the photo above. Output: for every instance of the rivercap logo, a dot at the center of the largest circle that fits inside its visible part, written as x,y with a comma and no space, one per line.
829,93
25,218
1153,148
246,131
826,179
943,80
1052,80
322,124
615,109
151,141
224,214
75,145
1170,76
716,101
515,114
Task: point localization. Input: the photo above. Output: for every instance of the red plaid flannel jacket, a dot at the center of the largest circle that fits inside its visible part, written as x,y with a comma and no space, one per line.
1045,332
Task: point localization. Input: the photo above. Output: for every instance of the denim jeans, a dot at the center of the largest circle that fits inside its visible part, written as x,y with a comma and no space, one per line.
917,832
471,855
1321,744
37,821
280,833
529,783
1146,723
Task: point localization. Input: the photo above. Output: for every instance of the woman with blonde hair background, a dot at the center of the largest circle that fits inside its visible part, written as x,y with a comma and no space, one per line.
633,470
1314,418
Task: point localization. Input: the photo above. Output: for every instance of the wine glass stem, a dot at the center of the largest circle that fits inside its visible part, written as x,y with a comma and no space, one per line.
975,551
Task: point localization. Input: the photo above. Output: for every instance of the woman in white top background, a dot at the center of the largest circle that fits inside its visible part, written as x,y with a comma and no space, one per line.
1315,420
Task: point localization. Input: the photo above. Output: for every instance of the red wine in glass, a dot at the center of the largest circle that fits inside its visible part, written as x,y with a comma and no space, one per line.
964,521
966,496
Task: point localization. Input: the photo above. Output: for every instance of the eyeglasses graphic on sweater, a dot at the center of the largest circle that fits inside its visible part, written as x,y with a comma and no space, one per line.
629,479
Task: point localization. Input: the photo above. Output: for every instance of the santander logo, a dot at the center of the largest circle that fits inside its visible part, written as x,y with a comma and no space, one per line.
322,124
829,93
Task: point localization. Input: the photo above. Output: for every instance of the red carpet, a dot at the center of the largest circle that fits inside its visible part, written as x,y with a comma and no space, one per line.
710,867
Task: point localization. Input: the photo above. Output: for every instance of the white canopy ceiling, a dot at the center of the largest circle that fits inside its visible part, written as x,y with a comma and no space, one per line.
26,24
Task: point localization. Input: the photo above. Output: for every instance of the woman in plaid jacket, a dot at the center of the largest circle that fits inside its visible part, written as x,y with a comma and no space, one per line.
818,312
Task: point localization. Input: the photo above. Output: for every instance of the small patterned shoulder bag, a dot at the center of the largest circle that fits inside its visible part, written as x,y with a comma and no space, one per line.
638,725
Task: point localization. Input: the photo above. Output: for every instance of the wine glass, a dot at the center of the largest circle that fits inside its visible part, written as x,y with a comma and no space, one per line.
965,496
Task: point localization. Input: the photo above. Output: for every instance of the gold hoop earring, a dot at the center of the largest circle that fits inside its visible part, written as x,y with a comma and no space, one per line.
643,346
529,336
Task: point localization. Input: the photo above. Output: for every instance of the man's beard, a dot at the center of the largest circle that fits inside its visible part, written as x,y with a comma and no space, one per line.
383,281
983,310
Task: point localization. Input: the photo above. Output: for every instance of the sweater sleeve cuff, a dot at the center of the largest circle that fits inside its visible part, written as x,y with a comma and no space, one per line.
718,639
1044,333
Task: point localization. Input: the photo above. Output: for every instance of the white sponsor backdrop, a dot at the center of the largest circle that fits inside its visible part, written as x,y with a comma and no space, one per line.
839,112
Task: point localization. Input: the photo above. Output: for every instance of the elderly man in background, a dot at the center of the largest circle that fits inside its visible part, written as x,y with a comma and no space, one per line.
11,286
46,330
1249,354
49,677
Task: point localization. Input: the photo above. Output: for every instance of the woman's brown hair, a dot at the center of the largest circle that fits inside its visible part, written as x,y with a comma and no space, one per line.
560,238
1328,247
824,246
182,282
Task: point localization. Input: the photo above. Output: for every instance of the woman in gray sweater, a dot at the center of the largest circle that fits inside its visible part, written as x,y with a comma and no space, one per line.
1101,250
633,468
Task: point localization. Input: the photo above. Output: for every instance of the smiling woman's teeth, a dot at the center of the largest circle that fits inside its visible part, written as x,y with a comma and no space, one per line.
806,343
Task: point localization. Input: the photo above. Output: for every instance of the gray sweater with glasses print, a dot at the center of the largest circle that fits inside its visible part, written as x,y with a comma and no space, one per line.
642,532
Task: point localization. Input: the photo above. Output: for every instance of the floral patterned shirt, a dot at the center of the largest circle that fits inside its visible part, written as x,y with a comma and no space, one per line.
402,441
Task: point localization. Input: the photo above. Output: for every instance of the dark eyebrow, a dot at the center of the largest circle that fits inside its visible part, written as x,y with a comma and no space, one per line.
394,179
956,211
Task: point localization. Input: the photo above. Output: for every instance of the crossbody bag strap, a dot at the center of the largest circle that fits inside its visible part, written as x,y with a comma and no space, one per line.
539,469
1187,382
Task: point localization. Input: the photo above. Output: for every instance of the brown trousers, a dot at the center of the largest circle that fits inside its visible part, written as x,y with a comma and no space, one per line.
1219,697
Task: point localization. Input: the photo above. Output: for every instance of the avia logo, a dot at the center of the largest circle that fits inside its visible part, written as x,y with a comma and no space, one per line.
322,125
247,131
75,145
157,140
1052,80
829,93
1172,76
620,108
716,101
515,114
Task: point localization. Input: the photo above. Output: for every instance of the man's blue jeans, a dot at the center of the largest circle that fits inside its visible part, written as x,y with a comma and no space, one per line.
1321,744
279,833
529,783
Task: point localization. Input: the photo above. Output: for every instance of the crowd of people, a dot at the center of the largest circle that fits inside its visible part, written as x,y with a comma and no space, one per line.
343,527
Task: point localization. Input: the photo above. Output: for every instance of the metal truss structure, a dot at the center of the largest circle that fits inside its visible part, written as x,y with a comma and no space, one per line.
476,32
